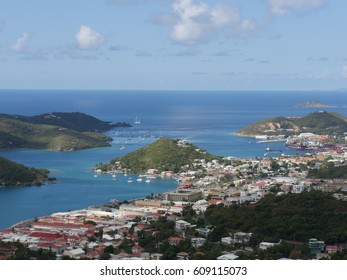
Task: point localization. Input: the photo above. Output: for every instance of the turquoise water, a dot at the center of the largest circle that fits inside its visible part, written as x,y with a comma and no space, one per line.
207,119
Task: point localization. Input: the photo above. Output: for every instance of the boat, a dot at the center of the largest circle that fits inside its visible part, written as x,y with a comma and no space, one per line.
122,147
130,180
137,120
148,181
139,179
268,149
114,176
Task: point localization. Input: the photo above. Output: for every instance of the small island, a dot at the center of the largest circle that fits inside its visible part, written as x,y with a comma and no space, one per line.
55,131
313,104
15,174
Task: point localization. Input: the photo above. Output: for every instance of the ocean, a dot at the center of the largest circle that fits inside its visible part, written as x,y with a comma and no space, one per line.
208,119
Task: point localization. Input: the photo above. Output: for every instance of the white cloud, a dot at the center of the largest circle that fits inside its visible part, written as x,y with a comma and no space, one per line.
20,46
223,15
196,22
281,7
88,39
344,72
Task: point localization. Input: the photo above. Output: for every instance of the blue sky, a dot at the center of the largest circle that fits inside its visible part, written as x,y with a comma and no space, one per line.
173,44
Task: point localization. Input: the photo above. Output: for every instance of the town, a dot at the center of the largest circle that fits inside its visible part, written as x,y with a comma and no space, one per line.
179,224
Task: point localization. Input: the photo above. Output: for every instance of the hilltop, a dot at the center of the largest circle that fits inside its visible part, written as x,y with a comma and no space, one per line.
56,131
164,155
317,122
15,174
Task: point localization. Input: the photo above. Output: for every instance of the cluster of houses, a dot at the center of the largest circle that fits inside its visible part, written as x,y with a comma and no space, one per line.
73,234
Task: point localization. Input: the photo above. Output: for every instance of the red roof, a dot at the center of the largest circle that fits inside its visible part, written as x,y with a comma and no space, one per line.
8,230
175,238
217,201
63,225
46,235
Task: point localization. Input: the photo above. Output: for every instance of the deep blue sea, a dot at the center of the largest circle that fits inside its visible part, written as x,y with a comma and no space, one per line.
208,119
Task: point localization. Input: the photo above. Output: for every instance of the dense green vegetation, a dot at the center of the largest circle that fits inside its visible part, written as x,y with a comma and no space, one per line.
317,122
323,122
75,121
328,171
291,217
164,155
75,132
15,174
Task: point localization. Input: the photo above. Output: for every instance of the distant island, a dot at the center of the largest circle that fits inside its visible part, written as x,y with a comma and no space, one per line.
313,104
321,122
15,174
162,155
56,131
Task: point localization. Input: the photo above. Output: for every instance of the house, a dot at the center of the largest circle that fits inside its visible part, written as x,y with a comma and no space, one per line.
229,256
156,256
137,250
182,225
226,240
203,231
331,249
266,245
75,253
182,256
175,240
316,246
241,237
198,242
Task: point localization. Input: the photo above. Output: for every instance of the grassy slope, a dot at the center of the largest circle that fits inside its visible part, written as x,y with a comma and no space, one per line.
164,154
18,134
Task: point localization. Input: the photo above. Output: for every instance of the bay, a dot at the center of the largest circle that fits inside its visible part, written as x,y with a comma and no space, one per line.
208,119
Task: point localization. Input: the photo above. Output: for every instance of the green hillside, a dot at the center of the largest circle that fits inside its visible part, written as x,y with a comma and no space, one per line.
270,126
325,122
75,121
164,155
317,122
15,174
292,217
58,131
328,171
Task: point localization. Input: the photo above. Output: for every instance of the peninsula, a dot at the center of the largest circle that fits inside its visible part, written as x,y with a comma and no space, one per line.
162,155
15,174
55,131
320,122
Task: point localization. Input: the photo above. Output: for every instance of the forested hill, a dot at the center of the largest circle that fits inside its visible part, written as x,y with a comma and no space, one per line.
164,155
320,122
75,121
15,174
55,131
